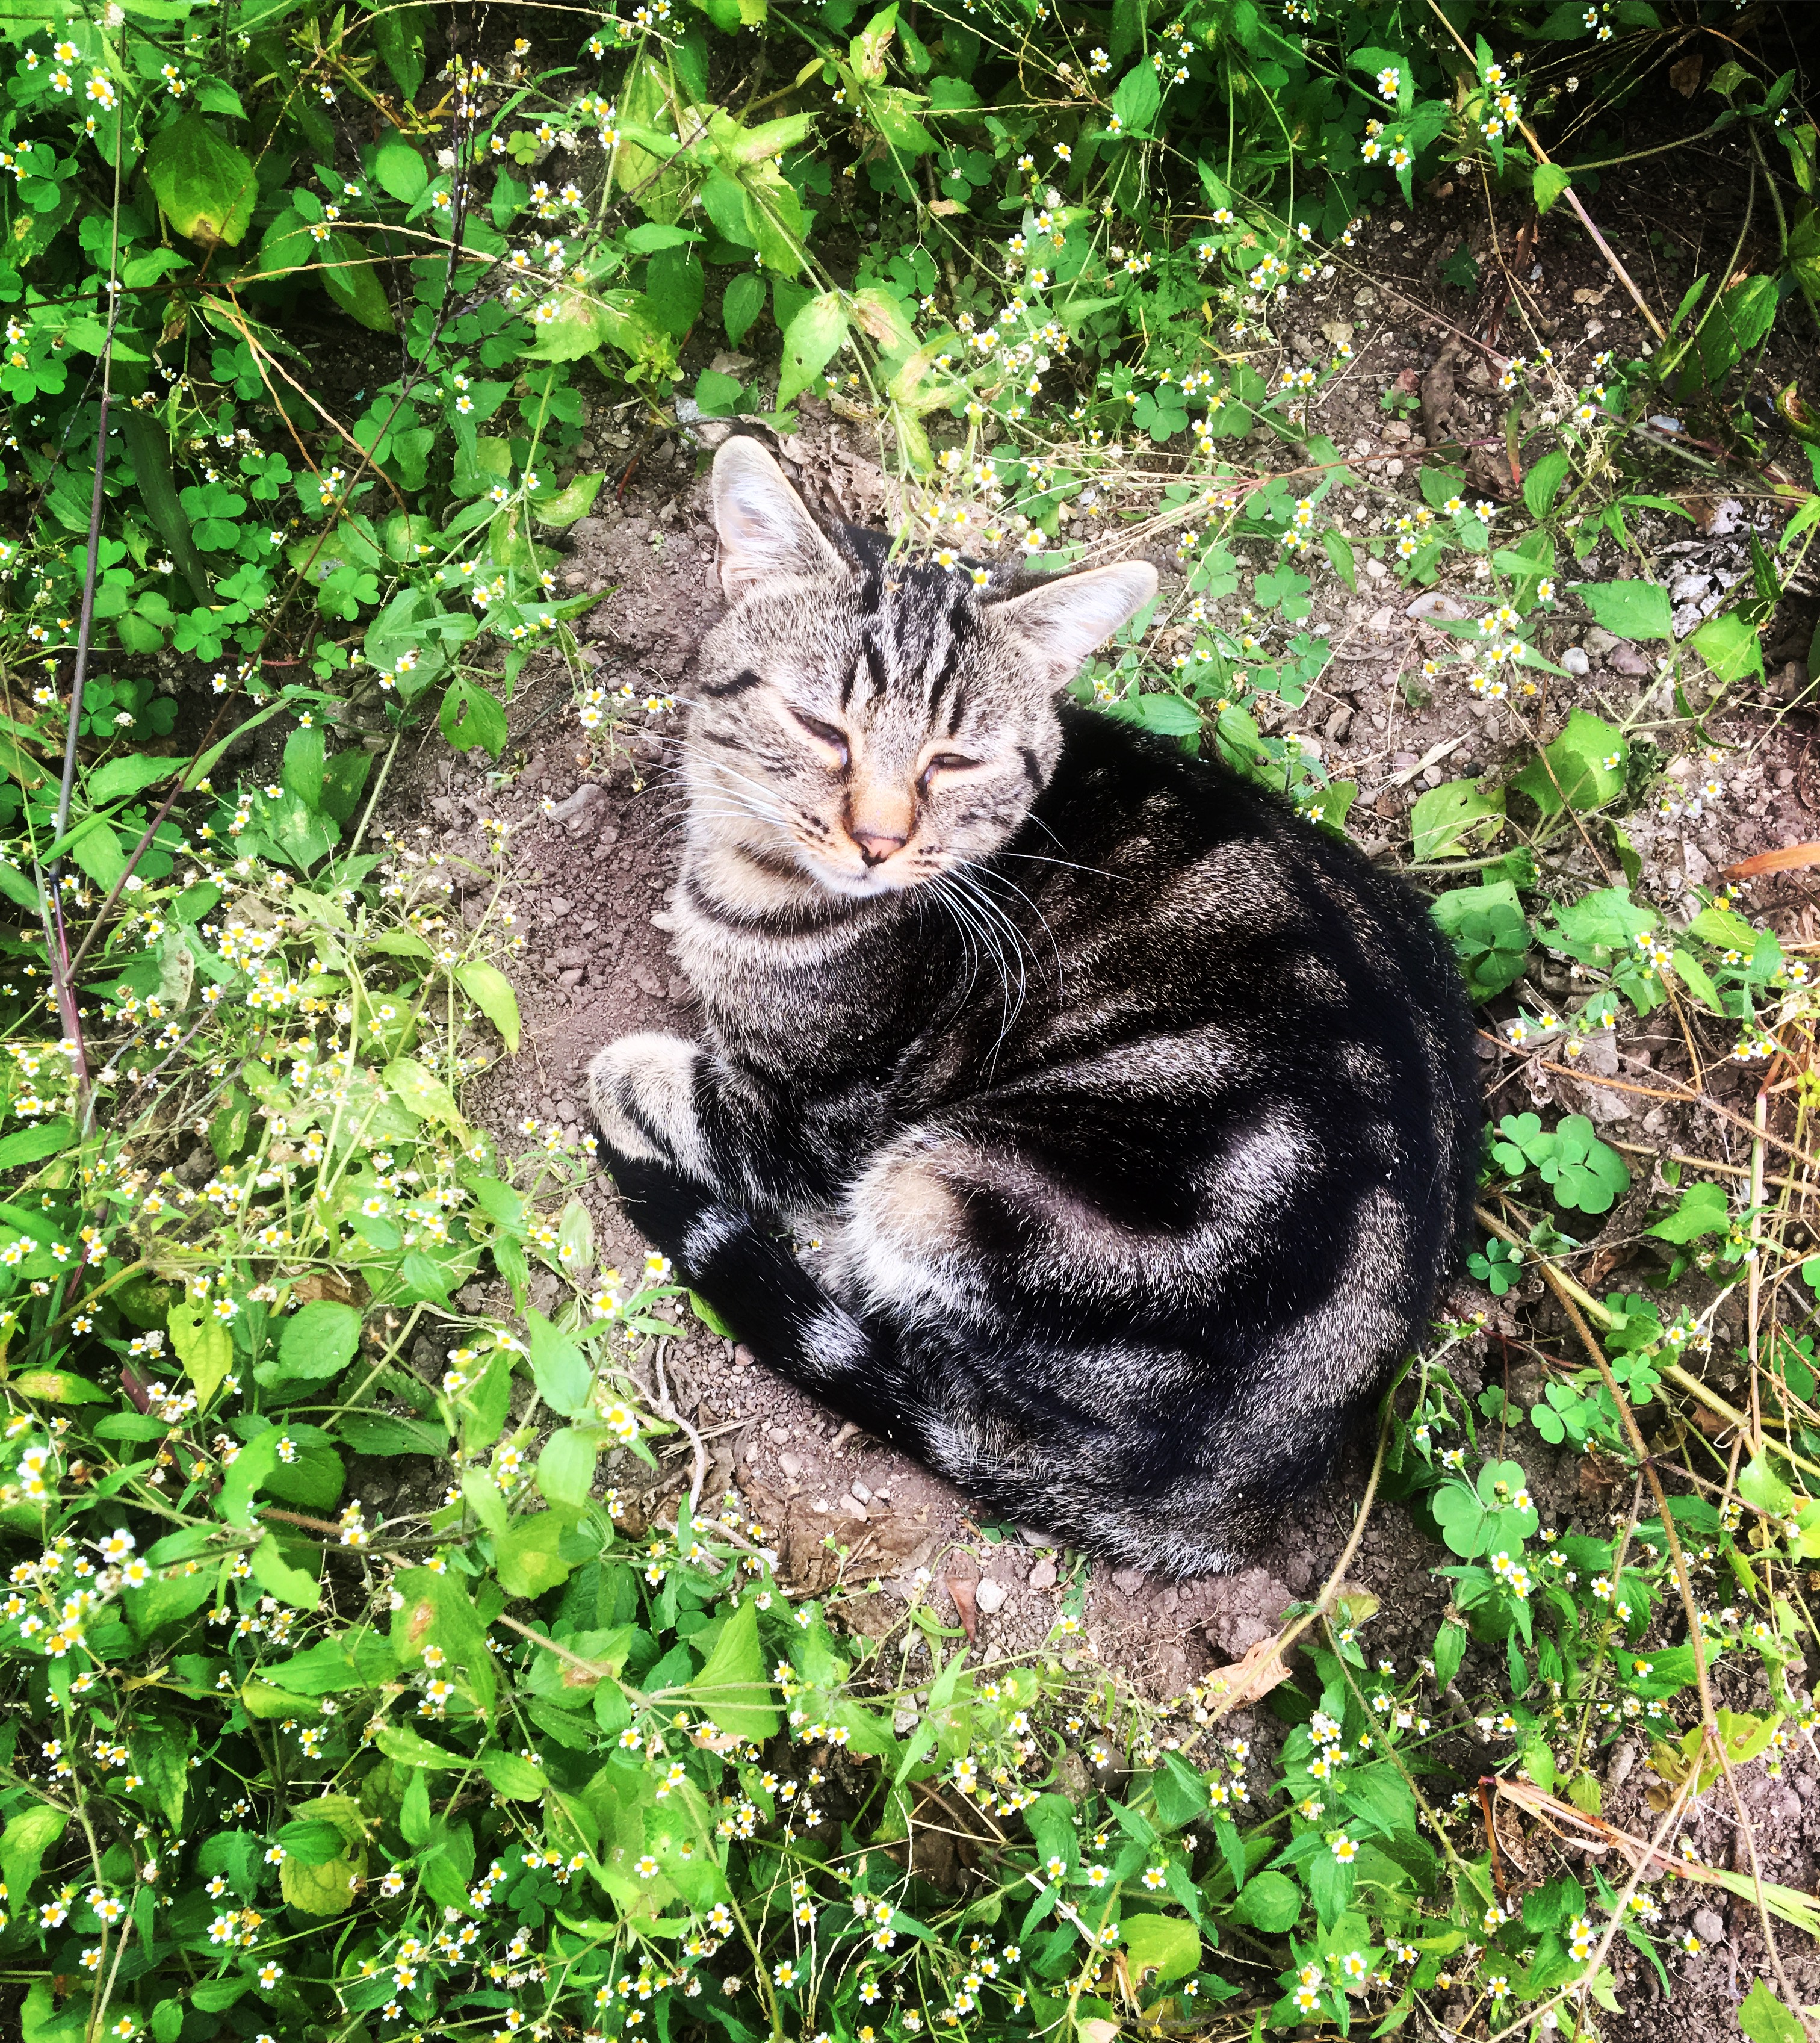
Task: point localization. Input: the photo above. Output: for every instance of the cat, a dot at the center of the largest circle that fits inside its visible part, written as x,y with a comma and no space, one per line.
1127,1121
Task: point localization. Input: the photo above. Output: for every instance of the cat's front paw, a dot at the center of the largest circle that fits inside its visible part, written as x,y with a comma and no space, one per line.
641,1090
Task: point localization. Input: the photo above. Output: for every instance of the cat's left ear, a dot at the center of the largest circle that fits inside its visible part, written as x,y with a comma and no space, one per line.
1059,623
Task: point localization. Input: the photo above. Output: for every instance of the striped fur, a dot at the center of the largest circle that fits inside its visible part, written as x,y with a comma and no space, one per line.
1125,1124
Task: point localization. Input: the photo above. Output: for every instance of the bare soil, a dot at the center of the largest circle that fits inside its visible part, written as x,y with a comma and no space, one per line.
593,883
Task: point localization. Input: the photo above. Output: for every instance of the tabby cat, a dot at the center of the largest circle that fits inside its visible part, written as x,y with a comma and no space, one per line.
1068,1113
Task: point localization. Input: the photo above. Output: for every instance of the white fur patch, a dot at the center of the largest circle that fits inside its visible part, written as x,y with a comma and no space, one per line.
709,1234
651,1076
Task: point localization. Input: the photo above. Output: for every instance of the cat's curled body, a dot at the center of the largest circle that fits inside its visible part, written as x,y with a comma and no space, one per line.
1134,1121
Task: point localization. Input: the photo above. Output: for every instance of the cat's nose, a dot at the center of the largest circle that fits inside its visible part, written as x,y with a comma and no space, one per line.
876,850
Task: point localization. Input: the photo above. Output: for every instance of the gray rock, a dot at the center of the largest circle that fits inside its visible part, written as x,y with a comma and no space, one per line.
1598,642
1043,1575
1575,661
1709,1926
990,1595
1628,660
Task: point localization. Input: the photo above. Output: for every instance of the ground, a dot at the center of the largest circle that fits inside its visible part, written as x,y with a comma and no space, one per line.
592,880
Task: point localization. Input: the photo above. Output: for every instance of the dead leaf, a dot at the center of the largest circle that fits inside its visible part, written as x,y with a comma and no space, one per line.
941,208
1095,2029
1685,76
1584,297
961,1590
1785,860
1262,1669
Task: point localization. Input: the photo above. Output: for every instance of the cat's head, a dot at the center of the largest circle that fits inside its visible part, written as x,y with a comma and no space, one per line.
870,722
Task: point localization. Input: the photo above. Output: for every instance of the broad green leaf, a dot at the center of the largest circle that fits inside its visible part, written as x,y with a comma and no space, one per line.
348,270
563,506
527,1554
205,186
1168,1945
471,716
491,991
1544,482
565,1468
733,1688
424,1094
319,1340
58,1386
1731,644
328,1888
558,1367
1588,761
1270,1902
514,1777
275,1575
1628,609
1548,182
1451,820
1764,1489
23,1844
810,344
1703,1210
401,170
33,1145
400,1742
204,1346
483,1498
1765,2019
118,778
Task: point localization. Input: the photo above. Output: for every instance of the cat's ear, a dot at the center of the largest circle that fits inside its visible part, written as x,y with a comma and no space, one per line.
765,534
1059,623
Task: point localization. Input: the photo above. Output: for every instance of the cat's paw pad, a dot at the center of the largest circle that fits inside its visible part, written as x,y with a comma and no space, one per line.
640,1090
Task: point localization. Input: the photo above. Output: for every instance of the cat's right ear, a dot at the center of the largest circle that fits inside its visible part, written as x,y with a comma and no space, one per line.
765,535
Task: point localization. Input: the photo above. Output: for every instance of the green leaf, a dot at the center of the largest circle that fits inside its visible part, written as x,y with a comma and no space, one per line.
1548,182
1731,645
732,1688
33,1145
204,1346
425,1095
1588,761
741,304
514,1777
401,170
205,186
527,1556
118,778
558,1367
1765,2019
565,1468
328,1888
275,1575
1270,1902
471,716
1168,1945
1764,1489
563,506
23,1844
398,35
1339,551
1448,821
347,269
1703,1210
319,1341
491,991
1137,98
809,344
1628,609
1544,482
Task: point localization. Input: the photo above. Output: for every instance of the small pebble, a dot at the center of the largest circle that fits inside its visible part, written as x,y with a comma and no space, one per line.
1575,661
990,1595
1709,1926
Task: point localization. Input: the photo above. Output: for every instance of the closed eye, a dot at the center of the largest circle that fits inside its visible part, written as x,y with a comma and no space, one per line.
947,762
829,735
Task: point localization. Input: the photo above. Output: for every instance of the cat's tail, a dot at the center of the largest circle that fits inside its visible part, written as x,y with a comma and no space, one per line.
755,1283
921,1401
